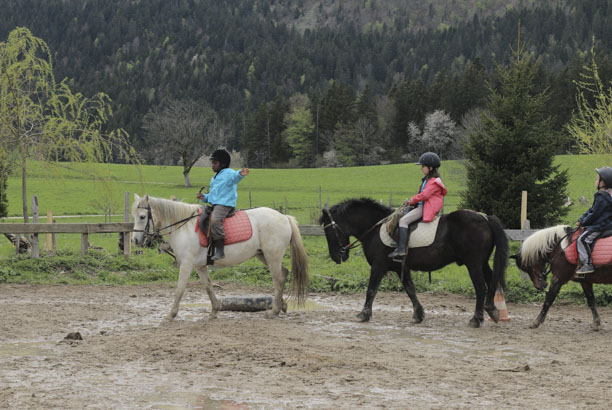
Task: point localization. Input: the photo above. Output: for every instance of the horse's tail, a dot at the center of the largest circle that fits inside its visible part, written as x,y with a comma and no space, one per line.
500,261
299,262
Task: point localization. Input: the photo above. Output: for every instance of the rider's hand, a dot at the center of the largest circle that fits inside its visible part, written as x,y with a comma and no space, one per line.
406,202
577,224
244,172
200,196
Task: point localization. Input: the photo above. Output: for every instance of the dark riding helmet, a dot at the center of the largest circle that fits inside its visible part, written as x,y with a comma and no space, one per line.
222,156
429,159
605,174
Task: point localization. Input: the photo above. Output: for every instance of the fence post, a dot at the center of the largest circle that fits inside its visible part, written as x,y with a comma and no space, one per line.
48,236
17,243
320,199
35,250
523,209
84,244
250,200
54,239
126,218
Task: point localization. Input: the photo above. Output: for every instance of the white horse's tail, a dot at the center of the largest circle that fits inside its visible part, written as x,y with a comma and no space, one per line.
299,263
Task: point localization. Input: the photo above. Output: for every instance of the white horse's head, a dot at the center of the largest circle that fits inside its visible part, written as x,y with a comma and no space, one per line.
141,211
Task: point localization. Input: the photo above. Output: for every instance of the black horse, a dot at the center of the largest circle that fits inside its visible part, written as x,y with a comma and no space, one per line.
464,237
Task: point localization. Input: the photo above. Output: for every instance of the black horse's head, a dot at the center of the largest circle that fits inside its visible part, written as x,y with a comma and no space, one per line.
351,217
337,238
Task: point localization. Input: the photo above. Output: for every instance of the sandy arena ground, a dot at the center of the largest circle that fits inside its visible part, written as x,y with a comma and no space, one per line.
315,358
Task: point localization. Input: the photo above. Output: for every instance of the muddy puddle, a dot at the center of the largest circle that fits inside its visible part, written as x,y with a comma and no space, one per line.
318,356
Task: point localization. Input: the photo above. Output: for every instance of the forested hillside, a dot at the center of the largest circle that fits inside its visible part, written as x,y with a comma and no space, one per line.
388,62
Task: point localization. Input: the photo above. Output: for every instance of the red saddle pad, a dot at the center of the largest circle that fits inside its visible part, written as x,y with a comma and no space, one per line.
601,255
237,229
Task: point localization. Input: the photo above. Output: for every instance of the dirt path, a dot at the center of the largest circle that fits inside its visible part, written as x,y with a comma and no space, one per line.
318,358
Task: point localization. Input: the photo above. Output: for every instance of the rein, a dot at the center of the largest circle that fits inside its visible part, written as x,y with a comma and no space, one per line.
158,231
351,245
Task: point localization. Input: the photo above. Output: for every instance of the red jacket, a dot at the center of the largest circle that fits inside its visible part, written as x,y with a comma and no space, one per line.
432,197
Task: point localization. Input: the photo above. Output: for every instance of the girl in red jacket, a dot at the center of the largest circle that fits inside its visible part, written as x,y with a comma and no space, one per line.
426,203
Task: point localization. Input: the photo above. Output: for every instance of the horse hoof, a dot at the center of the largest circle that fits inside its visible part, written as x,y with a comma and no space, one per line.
535,324
494,315
284,307
596,326
362,317
270,314
474,323
418,316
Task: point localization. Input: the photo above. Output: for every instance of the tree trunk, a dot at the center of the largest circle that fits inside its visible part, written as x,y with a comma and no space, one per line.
24,188
186,175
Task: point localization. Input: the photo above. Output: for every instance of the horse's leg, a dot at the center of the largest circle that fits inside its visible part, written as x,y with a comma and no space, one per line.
551,295
184,273
376,275
587,287
479,286
419,314
205,279
285,274
489,305
278,278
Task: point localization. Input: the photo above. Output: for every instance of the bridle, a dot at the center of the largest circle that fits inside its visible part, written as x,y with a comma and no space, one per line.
351,245
156,231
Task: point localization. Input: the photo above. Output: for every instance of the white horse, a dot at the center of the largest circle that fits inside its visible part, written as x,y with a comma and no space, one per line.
272,232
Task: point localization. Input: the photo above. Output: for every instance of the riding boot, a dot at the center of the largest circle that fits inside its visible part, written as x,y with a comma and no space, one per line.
219,243
400,251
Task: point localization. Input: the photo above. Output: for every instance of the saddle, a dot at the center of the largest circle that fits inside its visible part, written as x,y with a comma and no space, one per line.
421,233
237,227
601,252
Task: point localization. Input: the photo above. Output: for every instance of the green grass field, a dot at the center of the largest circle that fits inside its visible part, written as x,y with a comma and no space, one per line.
75,189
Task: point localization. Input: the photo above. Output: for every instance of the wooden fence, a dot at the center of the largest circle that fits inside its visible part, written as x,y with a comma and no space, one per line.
125,228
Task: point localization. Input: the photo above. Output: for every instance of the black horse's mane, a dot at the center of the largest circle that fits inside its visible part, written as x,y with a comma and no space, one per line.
345,206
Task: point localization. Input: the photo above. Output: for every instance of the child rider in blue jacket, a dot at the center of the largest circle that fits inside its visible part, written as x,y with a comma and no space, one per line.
222,195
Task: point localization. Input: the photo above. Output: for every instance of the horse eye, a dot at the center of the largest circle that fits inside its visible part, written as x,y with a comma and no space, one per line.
142,217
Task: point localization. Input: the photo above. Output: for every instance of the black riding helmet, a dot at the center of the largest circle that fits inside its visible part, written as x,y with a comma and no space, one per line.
430,159
222,156
605,174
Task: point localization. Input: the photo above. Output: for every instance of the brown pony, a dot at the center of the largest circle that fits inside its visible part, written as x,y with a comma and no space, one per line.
545,250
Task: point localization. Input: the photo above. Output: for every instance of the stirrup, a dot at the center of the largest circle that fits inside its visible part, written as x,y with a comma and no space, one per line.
583,270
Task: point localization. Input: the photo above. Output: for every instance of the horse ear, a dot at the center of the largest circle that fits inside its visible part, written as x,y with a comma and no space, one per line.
136,197
146,197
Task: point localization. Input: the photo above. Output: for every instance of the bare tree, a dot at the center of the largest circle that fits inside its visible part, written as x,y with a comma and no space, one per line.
183,131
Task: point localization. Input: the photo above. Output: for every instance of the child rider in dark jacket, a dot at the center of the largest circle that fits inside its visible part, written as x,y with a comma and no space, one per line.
597,219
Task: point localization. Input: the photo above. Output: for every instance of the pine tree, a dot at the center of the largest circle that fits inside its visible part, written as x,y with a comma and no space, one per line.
514,150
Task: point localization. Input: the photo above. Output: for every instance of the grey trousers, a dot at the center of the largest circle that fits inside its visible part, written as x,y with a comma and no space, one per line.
585,239
216,221
412,216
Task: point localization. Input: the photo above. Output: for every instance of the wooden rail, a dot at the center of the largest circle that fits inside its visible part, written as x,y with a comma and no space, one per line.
513,234
127,227
83,228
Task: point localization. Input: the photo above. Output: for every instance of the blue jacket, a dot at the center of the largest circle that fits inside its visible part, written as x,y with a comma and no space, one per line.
223,188
599,216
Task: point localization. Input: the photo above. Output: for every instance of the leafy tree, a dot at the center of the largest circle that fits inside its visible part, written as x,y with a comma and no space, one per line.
513,150
591,124
183,131
299,130
41,119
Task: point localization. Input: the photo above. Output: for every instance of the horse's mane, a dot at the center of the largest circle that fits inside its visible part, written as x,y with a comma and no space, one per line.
344,207
166,211
538,245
